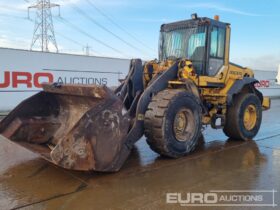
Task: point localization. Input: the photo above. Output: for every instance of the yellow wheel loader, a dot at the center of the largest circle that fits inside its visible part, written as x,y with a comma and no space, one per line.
168,100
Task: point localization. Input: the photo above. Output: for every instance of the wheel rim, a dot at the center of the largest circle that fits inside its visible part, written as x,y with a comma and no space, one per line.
183,125
250,117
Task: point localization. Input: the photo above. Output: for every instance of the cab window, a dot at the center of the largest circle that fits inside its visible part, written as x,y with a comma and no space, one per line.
195,41
196,50
217,50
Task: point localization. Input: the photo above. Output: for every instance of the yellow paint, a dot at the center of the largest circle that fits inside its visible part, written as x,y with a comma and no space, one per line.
225,79
250,117
266,103
156,68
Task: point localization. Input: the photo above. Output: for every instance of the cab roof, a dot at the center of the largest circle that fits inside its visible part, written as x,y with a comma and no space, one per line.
192,23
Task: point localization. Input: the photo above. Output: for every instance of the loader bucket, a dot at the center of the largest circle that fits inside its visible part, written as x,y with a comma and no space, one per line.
73,126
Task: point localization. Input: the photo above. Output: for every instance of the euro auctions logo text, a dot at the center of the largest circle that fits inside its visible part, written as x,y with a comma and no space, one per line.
264,198
192,198
26,79
13,80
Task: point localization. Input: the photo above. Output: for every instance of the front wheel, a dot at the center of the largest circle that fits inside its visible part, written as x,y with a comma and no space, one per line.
244,116
173,123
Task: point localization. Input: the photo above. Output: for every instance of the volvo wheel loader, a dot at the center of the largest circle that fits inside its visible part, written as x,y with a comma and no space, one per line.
168,100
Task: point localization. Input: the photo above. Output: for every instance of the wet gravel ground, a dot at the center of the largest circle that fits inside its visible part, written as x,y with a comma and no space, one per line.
29,182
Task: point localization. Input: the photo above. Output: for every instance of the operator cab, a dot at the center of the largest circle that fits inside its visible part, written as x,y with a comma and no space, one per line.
201,40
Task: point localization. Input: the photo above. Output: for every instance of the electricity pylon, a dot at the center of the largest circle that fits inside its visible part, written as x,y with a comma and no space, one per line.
43,35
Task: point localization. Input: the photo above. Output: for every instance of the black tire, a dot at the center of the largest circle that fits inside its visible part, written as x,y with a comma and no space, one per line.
160,119
235,127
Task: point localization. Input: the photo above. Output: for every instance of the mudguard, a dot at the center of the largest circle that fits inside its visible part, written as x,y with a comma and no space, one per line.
238,86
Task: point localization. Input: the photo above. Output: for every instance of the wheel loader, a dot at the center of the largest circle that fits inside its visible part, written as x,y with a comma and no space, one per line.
169,100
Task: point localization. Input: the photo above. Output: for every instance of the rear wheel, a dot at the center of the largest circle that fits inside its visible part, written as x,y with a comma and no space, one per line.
244,117
173,123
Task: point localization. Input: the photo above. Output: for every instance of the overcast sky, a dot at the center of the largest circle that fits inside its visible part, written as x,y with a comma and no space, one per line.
255,39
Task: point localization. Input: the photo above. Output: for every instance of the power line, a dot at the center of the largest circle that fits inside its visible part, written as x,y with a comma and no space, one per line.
12,16
90,2
75,42
70,39
11,8
77,9
73,26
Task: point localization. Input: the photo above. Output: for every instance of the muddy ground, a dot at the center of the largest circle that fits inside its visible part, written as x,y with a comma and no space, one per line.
29,182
